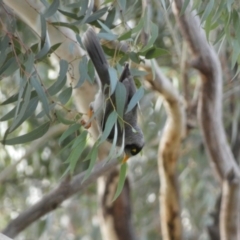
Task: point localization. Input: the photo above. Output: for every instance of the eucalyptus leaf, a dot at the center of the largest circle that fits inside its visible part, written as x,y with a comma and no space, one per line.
52,9
111,120
61,81
41,94
153,37
63,120
107,36
35,134
93,159
69,14
113,79
110,17
120,98
121,181
73,128
135,99
23,108
122,4
125,36
207,11
96,15
65,95
67,25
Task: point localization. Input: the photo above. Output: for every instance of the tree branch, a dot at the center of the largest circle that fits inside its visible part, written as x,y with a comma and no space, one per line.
210,99
210,118
168,154
53,199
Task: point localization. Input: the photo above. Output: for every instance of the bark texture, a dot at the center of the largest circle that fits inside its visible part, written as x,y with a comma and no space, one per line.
210,118
116,220
168,154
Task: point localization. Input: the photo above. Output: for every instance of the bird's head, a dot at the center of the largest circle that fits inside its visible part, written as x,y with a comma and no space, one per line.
132,150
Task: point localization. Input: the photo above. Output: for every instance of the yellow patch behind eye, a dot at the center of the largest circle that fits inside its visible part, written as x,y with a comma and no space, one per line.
134,150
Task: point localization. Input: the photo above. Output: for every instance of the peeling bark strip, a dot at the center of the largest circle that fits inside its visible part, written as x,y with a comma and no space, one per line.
168,155
116,216
229,215
210,118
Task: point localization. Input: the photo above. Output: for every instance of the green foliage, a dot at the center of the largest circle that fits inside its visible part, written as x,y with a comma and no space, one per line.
32,103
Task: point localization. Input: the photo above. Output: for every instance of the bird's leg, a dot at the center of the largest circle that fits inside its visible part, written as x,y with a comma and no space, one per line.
87,125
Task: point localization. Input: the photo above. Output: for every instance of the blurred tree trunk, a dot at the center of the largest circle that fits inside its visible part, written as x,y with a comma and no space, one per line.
168,154
116,217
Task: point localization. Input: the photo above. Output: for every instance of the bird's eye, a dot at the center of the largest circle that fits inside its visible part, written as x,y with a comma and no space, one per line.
134,150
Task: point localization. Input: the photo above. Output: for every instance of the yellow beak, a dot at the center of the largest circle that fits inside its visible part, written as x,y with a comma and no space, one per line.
126,157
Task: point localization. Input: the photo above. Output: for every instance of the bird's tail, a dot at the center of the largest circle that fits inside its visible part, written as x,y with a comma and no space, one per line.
95,52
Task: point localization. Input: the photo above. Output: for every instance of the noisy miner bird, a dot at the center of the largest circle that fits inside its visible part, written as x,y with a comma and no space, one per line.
133,140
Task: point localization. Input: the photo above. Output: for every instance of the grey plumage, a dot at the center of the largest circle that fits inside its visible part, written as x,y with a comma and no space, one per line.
134,141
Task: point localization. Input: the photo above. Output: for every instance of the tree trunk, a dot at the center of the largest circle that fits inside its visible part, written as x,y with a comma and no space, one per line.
116,217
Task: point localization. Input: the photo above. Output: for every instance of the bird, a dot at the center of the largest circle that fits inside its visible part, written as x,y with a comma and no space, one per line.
133,139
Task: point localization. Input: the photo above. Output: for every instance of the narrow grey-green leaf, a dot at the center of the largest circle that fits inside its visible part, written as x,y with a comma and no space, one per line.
79,139
152,39
107,36
52,9
29,63
35,134
106,28
92,162
110,17
78,147
73,128
184,7
75,155
67,25
122,3
120,97
163,4
83,71
45,43
138,73
207,11
154,52
69,14
30,110
63,120
23,108
84,7
43,113
135,99
96,15
125,36
4,46
61,81
122,177
9,67
22,88
113,79
111,120
65,95
41,94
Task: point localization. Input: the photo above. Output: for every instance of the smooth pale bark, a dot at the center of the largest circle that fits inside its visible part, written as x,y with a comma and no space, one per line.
168,155
210,119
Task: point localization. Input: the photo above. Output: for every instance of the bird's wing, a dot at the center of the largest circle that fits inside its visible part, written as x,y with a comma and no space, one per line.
128,81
